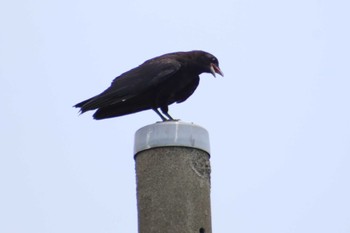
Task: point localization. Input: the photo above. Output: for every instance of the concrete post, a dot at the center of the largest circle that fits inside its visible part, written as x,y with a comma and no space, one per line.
173,178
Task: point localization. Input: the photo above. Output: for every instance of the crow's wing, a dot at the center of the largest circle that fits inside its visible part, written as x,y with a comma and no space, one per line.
133,83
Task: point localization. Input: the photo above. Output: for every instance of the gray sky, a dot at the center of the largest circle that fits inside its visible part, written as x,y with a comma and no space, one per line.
279,120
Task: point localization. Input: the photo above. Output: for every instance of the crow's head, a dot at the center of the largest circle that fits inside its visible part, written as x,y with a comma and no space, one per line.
207,63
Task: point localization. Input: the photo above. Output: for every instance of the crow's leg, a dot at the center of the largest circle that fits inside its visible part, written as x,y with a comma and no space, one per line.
170,118
159,114
165,112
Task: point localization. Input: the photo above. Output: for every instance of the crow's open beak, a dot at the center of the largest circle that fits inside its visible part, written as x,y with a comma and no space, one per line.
214,69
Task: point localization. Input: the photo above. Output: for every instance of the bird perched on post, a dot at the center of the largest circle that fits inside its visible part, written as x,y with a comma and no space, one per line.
155,84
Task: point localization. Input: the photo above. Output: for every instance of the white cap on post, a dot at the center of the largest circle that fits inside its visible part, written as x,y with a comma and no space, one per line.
171,133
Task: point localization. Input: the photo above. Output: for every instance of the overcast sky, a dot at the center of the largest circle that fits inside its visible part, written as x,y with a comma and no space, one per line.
279,121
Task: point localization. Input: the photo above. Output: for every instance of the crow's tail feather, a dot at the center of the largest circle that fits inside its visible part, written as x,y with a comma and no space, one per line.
81,105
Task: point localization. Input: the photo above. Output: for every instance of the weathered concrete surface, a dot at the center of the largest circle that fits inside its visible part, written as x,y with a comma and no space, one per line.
173,190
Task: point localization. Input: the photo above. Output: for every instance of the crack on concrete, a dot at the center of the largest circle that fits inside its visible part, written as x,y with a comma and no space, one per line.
201,166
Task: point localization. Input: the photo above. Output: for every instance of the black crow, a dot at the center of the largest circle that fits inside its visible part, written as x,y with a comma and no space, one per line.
156,83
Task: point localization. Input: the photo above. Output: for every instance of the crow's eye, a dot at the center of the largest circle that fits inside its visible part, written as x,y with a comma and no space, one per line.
213,59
